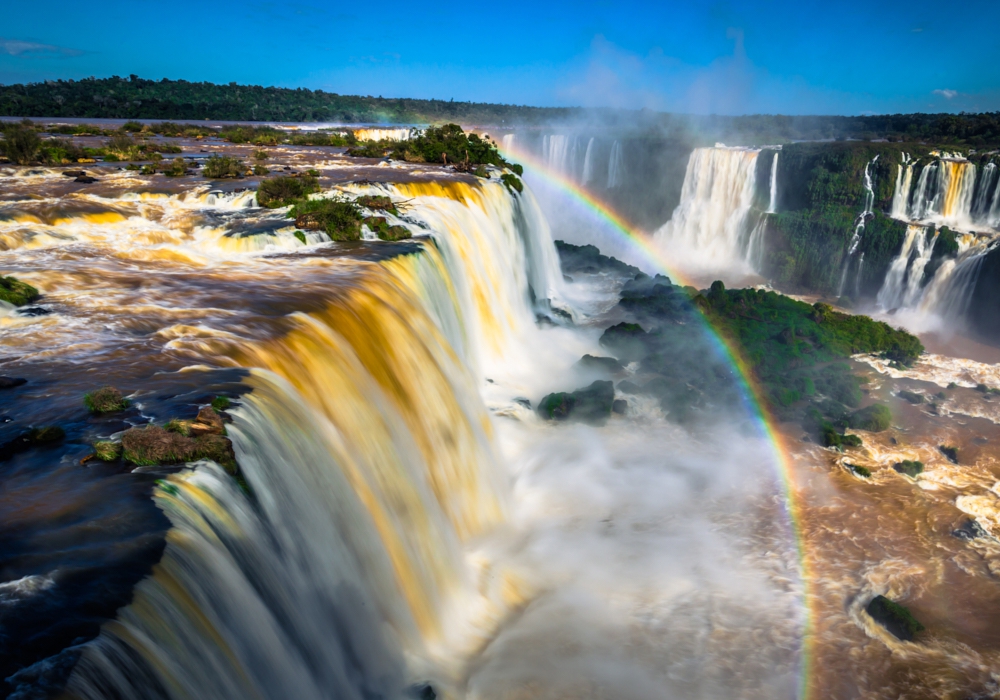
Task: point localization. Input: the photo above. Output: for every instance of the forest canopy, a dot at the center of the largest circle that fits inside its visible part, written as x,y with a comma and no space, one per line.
138,98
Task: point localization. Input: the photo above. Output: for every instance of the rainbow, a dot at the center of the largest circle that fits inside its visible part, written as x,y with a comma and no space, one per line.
752,391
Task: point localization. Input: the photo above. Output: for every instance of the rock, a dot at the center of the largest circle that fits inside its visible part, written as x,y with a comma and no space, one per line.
11,382
74,173
911,397
874,418
105,400
33,311
85,179
894,617
592,404
909,468
970,530
36,437
619,406
521,401
151,445
857,469
626,340
588,259
208,422
14,291
600,364
627,387
950,452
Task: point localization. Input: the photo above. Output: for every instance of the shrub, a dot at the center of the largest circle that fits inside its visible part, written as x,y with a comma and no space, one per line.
220,167
260,155
911,397
20,143
123,147
341,220
177,168
260,169
285,190
220,403
105,400
59,151
381,228
863,472
909,468
132,126
894,617
16,292
512,183
107,451
874,418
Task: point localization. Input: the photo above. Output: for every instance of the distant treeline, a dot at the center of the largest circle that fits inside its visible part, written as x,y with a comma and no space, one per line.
136,98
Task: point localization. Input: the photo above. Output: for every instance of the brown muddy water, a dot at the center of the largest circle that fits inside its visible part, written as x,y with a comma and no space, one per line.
409,519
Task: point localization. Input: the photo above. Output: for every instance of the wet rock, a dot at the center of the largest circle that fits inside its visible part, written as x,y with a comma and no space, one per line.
421,691
858,470
107,399
11,382
950,452
36,437
970,530
85,179
74,173
152,445
592,404
619,406
588,259
208,422
911,397
626,340
14,291
34,311
600,364
521,401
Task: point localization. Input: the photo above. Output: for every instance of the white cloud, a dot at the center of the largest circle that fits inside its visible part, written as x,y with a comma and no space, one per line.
947,94
18,47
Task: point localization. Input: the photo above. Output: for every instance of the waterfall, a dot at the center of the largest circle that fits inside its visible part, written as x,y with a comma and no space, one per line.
902,283
507,142
709,227
555,149
615,167
859,228
773,206
588,162
371,456
376,134
994,215
948,192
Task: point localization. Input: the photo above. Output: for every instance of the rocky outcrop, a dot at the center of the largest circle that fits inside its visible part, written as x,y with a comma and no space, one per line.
592,404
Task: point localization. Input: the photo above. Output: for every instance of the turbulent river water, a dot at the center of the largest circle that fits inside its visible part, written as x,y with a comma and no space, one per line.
408,521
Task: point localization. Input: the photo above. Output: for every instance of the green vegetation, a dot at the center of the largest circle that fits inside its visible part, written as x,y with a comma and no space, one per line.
591,405
20,143
831,438
220,167
381,228
105,400
260,169
107,451
14,291
911,397
512,183
221,403
894,617
340,219
950,452
177,168
122,146
910,468
261,155
152,445
863,472
874,418
285,190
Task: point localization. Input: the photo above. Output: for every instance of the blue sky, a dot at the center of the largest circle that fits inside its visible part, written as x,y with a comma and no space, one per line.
738,57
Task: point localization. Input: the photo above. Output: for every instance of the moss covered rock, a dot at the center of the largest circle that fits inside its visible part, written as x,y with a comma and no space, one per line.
107,451
894,617
105,400
592,404
910,468
16,292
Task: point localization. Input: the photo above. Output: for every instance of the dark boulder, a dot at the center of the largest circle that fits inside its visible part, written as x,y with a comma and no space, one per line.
950,452
11,382
626,340
591,405
36,437
894,617
619,406
970,530
74,173
600,364
85,179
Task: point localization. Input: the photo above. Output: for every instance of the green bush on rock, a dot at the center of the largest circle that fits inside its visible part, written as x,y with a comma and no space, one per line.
105,400
339,219
910,468
874,418
592,404
285,190
894,617
221,167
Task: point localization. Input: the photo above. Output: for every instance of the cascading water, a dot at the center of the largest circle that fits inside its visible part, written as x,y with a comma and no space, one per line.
368,446
948,192
772,206
616,167
588,163
903,282
380,134
859,228
709,229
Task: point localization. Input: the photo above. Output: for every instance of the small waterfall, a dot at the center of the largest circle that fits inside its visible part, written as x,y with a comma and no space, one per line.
901,194
906,272
376,134
555,148
616,167
709,229
371,454
987,184
994,216
507,142
773,205
588,163
948,192
859,228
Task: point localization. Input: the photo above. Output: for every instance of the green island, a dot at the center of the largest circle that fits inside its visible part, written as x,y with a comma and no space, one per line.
798,352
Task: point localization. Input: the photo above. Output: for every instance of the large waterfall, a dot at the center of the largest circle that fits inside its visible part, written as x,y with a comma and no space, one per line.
710,230
371,456
949,191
